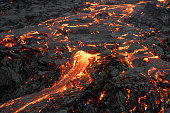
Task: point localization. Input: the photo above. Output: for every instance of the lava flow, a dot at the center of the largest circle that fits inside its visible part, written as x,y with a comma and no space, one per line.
80,62
130,77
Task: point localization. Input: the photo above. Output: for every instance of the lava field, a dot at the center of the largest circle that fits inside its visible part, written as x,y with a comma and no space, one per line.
84,56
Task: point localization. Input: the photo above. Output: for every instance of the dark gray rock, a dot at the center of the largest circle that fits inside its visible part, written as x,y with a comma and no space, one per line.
115,72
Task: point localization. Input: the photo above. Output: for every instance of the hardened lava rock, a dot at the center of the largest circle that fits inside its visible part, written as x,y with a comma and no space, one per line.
111,92
154,18
15,14
166,49
89,100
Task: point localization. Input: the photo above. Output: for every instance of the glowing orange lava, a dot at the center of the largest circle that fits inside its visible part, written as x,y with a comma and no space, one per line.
81,60
76,73
102,95
163,1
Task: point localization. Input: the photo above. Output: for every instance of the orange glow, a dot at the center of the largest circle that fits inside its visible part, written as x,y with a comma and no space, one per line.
168,7
141,2
145,106
76,71
120,38
129,57
163,1
88,101
81,60
151,71
124,47
154,57
7,41
162,110
133,109
102,95
33,102
146,59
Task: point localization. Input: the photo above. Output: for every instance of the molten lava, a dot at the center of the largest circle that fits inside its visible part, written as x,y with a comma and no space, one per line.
123,42
81,60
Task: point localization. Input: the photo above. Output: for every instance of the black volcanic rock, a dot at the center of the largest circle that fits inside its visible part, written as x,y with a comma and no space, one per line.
158,19
16,14
124,79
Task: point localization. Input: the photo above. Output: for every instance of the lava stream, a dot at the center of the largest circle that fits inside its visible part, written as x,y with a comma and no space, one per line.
81,60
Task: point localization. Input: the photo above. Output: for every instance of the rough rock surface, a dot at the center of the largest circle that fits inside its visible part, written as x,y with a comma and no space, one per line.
131,76
15,14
